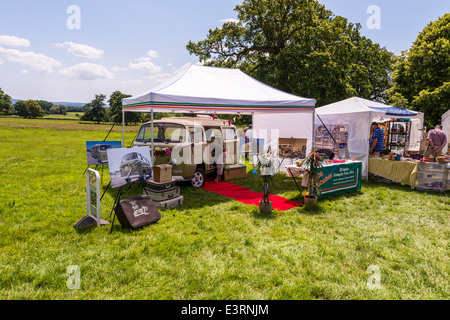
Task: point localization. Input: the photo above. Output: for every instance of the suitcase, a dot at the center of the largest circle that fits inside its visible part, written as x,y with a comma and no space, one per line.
137,212
162,173
162,195
154,185
168,204
234,171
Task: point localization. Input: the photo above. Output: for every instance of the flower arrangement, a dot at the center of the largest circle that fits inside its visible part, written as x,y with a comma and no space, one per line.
311,164
162,152
267,165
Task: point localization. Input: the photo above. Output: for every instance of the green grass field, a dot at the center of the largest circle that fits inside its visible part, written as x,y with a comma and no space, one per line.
211,247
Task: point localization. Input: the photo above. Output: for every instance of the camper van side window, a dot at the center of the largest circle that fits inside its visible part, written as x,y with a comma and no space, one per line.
196,134
229,134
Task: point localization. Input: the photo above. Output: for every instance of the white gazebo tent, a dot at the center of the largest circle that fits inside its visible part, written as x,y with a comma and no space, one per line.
212,90
358,114
446,128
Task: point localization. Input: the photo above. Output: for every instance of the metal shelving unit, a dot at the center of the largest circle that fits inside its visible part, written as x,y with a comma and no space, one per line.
398,136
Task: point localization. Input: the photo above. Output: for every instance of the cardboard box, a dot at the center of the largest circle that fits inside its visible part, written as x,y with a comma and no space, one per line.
234,171
162,173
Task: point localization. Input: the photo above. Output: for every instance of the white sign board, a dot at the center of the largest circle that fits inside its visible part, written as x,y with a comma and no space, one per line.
93,194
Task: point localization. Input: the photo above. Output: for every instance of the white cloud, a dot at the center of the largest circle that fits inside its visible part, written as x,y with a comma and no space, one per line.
142,59
229,20
14,41
87,71
81,50
150,55
147,66
36,61
25,71
153,54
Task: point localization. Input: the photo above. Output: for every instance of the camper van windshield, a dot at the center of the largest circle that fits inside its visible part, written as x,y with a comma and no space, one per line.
162,132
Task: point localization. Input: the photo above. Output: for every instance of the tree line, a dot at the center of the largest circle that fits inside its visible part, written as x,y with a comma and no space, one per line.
32,109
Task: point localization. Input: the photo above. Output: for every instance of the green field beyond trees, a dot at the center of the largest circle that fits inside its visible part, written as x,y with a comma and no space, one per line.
211,247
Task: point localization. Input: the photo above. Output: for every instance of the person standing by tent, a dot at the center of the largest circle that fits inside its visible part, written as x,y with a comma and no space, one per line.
437,139
376,143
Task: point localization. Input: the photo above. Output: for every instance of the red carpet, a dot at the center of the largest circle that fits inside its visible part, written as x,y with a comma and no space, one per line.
246,196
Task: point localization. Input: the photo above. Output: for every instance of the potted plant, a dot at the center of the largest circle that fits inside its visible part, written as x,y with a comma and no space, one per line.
267,165
311,165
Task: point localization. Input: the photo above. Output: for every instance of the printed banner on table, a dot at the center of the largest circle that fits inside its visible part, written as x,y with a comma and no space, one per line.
339,178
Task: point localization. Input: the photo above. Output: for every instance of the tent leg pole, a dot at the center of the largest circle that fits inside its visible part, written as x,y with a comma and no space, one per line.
123,128
314,130
152,133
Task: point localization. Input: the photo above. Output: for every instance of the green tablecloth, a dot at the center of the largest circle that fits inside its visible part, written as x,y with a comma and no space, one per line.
339,178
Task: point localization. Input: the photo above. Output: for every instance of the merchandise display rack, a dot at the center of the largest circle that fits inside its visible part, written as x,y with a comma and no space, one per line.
398,136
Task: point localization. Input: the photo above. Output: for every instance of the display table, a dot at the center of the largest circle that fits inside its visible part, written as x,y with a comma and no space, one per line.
398,171
334,178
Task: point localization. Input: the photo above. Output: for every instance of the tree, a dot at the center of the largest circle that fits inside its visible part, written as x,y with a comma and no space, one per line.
5,103
95,110
34,109
58,109
29,109
115,104
300,47
422,75
20,108
45,105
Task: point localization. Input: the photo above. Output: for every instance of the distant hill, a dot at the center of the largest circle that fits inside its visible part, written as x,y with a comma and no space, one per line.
68,104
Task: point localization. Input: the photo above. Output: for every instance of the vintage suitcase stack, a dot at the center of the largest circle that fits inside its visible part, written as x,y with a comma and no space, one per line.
234,171
164,194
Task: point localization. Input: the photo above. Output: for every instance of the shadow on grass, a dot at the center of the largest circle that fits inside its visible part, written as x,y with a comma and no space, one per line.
374,183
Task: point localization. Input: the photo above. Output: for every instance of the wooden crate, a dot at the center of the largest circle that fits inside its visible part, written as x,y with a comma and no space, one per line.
234,171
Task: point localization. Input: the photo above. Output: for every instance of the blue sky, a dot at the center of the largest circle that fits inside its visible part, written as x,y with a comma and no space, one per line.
133,45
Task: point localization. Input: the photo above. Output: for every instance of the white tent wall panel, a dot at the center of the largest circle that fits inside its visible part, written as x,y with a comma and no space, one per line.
272,127
358,134
446,128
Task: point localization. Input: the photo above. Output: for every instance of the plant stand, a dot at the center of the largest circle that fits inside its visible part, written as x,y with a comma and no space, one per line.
265,207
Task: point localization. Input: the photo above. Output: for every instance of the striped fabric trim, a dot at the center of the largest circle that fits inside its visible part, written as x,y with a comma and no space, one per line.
222,107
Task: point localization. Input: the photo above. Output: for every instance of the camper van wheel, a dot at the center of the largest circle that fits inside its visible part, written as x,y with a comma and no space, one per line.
199,178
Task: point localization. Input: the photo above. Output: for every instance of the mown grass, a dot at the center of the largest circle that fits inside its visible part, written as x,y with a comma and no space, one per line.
211,247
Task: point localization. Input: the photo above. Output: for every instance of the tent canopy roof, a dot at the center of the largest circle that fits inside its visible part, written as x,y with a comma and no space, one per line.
201,89
359,105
